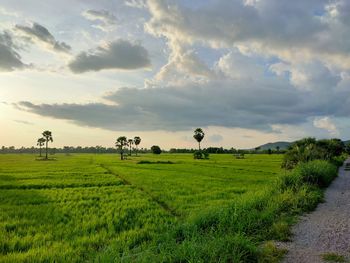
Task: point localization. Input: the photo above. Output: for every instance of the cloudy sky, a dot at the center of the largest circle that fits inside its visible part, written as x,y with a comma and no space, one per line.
247,71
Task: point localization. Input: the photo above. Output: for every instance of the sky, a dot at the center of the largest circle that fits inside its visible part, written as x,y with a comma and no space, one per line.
246,71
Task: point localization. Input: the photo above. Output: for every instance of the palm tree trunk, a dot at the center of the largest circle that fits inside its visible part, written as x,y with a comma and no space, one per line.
40,150
121,154
136,150
199,146
46,149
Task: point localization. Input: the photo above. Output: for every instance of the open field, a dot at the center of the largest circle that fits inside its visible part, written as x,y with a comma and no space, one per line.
96,207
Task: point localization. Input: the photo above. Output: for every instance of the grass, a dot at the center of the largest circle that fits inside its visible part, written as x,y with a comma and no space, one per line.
333,257
171,209
269,253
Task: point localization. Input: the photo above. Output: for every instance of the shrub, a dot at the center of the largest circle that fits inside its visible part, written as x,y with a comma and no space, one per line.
206,155
309,149
156,149
316,172
339,160
201,155
197,155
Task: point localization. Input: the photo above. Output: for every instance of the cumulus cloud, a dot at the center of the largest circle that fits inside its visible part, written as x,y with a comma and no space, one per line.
277,64
10,59
308,76
183,62
120,54
290,30
326,124
236,65
107,20
42,36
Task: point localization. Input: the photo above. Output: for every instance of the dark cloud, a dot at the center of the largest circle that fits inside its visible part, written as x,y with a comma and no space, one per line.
9,58
229,103
120,54
39,33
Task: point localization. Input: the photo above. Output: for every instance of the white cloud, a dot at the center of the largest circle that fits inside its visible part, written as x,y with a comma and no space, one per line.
136,3
326,124
236,65
6,12
108,21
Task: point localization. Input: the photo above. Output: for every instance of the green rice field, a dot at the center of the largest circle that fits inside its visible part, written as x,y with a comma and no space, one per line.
150,208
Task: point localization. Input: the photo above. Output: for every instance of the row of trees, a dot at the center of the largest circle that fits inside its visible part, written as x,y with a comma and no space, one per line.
45,139
123,142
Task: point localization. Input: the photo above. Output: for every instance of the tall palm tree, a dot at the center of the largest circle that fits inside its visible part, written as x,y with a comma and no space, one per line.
120,143
48,138
278,149
137,141
130,143
40,143
198,135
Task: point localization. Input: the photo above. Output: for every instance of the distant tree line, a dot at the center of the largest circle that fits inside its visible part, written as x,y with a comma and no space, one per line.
66,149
221,150
100,149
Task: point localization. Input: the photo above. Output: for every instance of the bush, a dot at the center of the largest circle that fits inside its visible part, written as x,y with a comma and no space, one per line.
156,149
309,149
201,155
316,172
339,160
197,155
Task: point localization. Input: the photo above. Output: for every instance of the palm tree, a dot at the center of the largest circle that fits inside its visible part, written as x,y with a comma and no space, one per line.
137,141
120,143
278,148
130,143
48,138
40,143
198,135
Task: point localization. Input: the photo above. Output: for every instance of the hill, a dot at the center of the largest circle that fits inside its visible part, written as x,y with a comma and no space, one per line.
282,145
273,145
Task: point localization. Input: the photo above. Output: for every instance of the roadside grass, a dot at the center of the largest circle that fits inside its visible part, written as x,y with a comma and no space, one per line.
333,257
269,253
